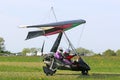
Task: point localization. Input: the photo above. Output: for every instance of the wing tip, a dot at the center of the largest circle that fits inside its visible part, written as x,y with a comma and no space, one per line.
23,26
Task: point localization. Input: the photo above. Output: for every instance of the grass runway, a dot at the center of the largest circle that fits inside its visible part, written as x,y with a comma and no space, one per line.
30,68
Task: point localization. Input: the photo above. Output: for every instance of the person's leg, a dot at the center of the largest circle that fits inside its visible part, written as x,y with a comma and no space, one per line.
67,61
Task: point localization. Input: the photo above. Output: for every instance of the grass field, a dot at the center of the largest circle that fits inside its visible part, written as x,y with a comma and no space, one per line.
30,68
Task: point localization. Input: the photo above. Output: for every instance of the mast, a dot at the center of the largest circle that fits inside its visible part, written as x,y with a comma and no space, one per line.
57,42
42,48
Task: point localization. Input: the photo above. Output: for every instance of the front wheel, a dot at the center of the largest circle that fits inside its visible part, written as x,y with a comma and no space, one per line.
84,72
48,72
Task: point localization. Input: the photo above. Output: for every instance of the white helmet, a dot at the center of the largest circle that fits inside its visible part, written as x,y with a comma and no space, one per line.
60,50
67,50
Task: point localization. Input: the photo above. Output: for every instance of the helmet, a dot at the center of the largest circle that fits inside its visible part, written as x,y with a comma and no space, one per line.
67,50
60,50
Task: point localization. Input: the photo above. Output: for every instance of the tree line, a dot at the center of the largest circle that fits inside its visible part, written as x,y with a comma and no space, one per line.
108,52
81,51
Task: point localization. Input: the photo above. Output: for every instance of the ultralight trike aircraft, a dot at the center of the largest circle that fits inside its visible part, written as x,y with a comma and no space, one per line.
52,63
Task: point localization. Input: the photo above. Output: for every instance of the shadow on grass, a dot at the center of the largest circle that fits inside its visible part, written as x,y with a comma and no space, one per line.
105,75
66,74
93,75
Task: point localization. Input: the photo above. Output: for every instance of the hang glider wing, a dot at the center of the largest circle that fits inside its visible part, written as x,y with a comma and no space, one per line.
53,28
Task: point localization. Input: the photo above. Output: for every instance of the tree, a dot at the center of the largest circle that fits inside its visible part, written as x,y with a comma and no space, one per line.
109,52
118,52
29,50
25,50
2,47
84,51
33,50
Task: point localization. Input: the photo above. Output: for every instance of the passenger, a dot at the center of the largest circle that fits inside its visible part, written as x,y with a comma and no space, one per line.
58,55
67,57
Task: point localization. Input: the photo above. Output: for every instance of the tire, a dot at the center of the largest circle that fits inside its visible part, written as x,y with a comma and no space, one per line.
54,71
84,72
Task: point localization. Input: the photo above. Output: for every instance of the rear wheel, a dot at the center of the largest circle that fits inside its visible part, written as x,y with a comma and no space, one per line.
54,71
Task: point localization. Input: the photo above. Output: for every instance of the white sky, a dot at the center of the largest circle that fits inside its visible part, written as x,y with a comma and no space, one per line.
101,30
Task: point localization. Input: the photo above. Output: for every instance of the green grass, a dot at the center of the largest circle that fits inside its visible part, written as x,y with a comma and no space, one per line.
20,59
30,68
104,63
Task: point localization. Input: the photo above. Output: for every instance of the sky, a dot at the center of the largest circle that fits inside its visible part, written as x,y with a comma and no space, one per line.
101,31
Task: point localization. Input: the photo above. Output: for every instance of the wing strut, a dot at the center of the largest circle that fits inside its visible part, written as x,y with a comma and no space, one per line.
70,44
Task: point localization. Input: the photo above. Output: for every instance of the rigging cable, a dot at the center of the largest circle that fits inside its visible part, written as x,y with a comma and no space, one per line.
82,30
52,9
